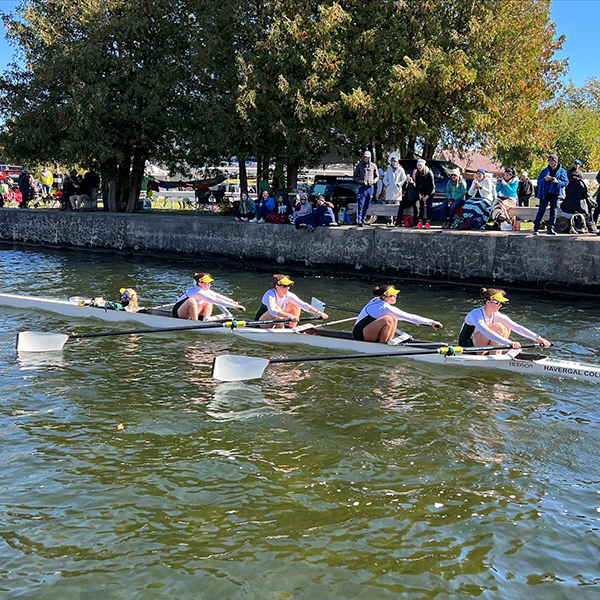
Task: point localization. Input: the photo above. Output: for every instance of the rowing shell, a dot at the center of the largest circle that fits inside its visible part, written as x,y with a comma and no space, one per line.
71,308
536,365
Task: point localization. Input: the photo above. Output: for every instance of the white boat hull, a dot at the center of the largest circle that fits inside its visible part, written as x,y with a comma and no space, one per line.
543,367
73,309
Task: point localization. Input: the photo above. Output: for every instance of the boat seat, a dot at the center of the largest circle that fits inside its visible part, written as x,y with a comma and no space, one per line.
530,356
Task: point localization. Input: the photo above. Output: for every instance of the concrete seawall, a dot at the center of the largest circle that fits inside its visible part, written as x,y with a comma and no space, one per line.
519,260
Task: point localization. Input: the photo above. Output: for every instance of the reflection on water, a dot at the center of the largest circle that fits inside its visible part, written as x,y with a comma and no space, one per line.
370,478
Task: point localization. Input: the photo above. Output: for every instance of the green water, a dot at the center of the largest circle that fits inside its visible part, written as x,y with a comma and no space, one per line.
374,478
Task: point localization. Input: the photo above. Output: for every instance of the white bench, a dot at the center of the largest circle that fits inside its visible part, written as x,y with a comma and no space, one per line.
525,213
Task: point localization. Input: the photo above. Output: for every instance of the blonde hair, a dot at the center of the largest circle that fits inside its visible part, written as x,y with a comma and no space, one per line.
133,298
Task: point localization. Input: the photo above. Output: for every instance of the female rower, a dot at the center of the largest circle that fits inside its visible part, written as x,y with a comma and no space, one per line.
129,301
485,326
378,320
280,303
197,302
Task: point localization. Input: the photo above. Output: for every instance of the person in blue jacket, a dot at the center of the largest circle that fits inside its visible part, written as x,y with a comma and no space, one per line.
550,185
264,207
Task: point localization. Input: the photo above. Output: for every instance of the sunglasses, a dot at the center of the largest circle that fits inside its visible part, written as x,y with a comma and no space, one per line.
281,285
496,302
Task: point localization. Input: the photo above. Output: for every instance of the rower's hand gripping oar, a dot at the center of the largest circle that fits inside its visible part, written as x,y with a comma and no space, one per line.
232,367
37,341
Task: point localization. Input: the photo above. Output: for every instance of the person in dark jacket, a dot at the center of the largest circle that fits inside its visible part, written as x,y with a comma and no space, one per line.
367,176
576,196
26,188
425,182
68,190
524,189
321,216
551,182
576,167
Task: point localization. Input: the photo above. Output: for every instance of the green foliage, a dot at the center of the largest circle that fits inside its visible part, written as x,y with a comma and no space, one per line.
114,83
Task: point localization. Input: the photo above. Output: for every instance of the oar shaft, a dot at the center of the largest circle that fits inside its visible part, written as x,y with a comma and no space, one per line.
446,351
226,324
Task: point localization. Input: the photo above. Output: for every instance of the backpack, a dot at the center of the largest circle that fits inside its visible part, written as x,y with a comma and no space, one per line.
578,224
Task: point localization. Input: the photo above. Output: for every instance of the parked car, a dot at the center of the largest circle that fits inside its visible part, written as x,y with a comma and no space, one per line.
339,190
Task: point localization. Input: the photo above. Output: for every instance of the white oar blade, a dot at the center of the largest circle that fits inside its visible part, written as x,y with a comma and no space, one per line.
231,367
316,303
36,341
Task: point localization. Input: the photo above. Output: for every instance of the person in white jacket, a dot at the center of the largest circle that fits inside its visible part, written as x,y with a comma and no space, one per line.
393,178
482,186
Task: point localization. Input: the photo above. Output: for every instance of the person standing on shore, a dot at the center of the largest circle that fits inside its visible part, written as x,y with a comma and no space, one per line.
524,189
366,175
551,183
424,180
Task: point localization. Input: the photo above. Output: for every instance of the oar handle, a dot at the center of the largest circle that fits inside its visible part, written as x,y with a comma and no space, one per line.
444,351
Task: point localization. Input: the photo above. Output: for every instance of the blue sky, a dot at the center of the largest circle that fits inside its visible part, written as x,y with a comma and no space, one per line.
578,19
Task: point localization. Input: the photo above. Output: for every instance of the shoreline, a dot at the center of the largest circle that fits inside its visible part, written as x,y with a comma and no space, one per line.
565,264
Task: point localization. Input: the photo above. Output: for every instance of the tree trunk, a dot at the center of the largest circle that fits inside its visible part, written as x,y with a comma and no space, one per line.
135,181
410,148
292,176
259,170
243,174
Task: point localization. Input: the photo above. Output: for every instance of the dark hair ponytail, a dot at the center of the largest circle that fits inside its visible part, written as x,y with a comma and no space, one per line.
380,290
486,293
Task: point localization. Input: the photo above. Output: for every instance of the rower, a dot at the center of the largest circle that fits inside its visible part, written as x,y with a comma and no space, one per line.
378,320
486,326
197,302
128,302
280,303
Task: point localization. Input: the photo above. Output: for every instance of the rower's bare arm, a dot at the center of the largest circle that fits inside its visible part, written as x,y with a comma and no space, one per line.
437,325
543,342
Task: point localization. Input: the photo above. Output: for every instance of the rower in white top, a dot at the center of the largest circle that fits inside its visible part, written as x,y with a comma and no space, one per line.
485,326
197,302
378,320
280,303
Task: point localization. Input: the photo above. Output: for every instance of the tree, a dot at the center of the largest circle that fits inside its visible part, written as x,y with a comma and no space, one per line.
106,83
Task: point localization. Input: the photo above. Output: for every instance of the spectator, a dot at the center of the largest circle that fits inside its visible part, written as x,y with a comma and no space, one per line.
321,216
597,209
25,187
551,182
282,211
506,197
69,189
409,200
303,208
4,191
394,179
244,208
576,196
91,182
263,185
482,186
524,189
576,167
80,195
366,175
265,206
46,181
34,194
456,190
380,188
425,182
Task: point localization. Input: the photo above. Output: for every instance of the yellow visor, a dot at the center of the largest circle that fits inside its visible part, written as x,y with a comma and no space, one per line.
206,279
285,281
392,292
499,298
122,290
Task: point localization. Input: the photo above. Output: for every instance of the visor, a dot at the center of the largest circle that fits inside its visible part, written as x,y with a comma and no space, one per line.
499,298
206,279
391,292
285,281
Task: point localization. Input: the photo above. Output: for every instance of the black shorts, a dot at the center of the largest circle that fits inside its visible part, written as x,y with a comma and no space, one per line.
357,332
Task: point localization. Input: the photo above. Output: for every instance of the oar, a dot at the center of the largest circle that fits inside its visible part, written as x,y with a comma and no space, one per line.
38,341
320,306
232,367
